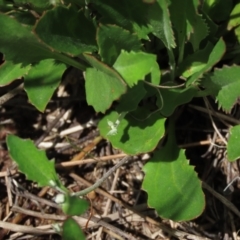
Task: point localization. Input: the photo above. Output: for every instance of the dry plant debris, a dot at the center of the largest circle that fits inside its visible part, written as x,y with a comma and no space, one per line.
67,130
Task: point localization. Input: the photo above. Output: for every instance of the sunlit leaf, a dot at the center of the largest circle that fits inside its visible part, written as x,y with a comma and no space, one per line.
215,56
32,162
233,150
173,187
138,132
134,66
72,231
224,84
10,72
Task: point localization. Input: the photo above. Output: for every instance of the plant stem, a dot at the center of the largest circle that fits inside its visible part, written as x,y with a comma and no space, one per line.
172,64
70,61
101,180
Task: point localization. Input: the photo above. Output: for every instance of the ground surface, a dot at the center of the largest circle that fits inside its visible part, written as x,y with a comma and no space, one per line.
67,130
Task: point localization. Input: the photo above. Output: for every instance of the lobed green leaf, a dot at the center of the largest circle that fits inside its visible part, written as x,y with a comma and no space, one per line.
172,98
161,24
224,84
130,15
112,39
32,162
104,81
215,56
67,30
173,187
41,82
10,72
134,66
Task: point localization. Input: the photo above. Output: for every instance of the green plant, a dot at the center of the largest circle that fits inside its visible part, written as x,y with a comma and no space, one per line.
122,46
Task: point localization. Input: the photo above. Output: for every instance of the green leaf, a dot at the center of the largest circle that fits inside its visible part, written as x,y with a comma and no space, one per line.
9,72
32,162
41,82
74,206
19,45
139,132
72,231
199,29
112,39
234,22
134,66
26,18
218,10
214,57
67,30
233,150
37,5
161,24
224,84
188,24
173,187
172,98
130,15
103,85
130,100
195,62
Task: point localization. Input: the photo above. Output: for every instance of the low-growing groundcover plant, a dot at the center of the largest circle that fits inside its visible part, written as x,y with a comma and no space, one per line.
147,57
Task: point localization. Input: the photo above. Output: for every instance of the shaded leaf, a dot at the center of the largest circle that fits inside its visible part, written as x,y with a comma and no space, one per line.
161,23
72,231
74,206
130,15
10,72
173,187
112,39
217,10
199,30
233,150
130,100
38,5
234,21
31,161
19,45
172,98
103,84
139,132
67,30
188,23
41,82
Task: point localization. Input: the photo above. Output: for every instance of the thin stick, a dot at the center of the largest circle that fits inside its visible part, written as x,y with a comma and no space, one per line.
108,202
213,123
101,180
25,229
11,94
227,203
165,87
216,114
172,232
